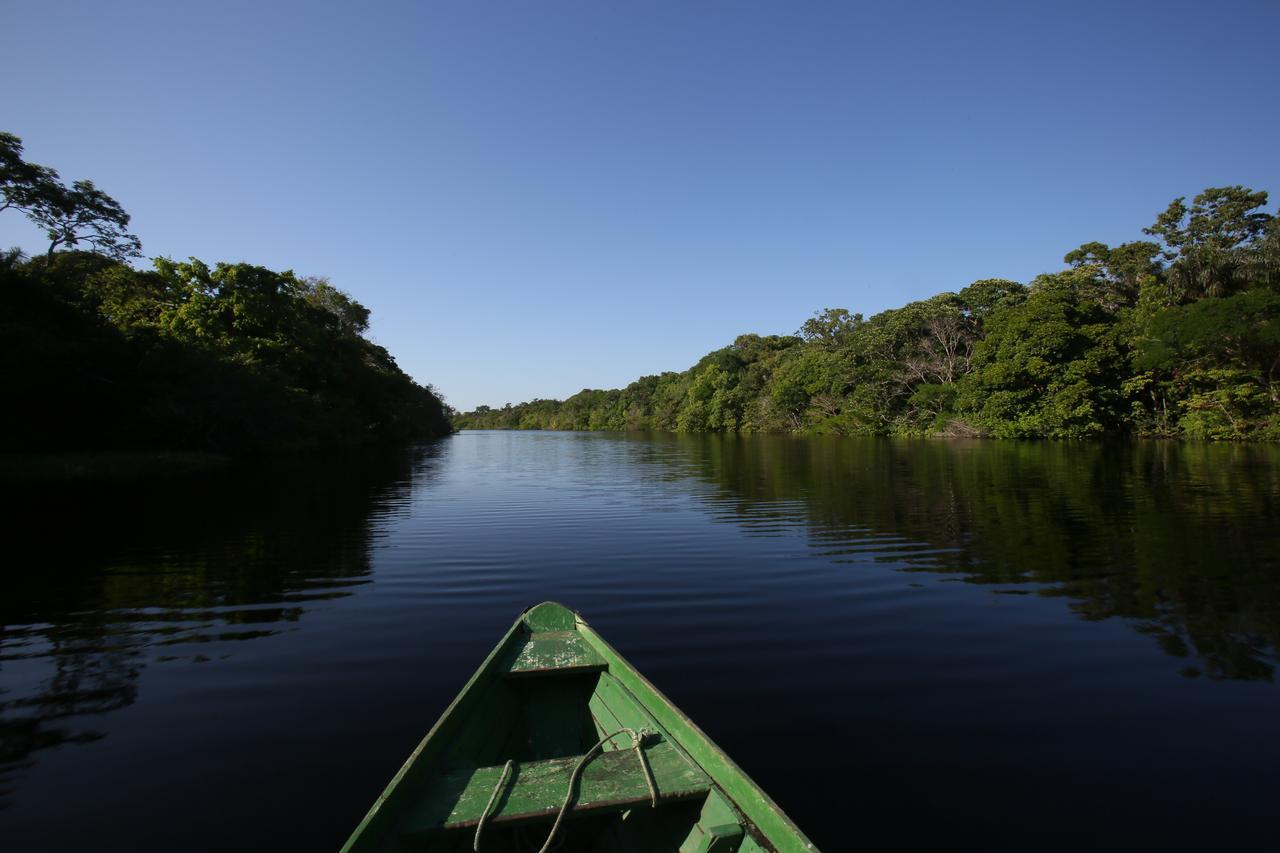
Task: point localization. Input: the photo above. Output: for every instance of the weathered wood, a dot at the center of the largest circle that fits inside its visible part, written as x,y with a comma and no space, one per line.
554,653
611,781
549,616
718,829
606,722
611,695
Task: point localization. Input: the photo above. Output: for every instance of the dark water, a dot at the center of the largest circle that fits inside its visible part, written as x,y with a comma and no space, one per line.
997,645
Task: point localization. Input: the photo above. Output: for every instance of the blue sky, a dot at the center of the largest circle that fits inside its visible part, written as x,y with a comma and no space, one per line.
537,197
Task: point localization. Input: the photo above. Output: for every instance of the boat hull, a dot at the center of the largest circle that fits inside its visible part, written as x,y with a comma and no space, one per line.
557,728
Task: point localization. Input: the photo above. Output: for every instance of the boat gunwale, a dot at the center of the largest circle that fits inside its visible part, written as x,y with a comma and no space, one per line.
730,768
357,840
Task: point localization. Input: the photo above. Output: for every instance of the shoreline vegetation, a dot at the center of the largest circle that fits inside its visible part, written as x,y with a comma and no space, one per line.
228,359
1177,336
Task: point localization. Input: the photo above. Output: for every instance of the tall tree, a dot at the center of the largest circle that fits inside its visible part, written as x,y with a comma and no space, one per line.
85,214
23,184
1206,243
69,216
1121,269
830,328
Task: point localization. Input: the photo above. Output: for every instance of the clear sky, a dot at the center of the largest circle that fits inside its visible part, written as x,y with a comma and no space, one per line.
537,197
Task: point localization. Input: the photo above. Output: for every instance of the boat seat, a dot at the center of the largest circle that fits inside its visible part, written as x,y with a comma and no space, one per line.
610,782
553,653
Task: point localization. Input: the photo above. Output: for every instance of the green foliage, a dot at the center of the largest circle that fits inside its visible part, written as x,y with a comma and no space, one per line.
69,216
831,328
989,295
1120,272
1218,363
234,358
96,354
1209,244
1050,367
22,184
1176,338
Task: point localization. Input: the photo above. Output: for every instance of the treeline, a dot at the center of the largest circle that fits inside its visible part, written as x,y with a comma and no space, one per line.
95,354
1175,336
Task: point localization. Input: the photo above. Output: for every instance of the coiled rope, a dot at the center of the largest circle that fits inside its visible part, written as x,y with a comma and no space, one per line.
637,741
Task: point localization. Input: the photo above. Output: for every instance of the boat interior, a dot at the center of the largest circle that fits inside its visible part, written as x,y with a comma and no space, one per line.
544,711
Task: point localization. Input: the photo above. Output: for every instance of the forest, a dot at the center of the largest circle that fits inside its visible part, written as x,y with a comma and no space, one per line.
1173,336
231,357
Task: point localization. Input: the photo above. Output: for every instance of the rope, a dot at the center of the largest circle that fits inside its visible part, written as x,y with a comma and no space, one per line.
502,781
637,741
648,774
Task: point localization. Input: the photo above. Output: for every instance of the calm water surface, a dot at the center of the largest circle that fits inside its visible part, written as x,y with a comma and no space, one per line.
1004,645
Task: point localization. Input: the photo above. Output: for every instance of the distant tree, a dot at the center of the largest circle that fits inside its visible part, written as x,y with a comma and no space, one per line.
1218,362
23,184
10,258
1121,269
830,328
942,350
85,214
1261,264
1123,342
1206,244
1049,367
985,296
351,317
81,214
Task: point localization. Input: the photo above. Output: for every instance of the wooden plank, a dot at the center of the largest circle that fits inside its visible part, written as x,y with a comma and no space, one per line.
605,720
611,781
554,653
718,829
626,710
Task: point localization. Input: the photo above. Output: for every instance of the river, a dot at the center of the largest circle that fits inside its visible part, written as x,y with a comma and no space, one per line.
1006,645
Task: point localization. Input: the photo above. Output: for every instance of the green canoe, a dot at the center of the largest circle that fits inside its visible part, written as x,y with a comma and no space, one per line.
557,742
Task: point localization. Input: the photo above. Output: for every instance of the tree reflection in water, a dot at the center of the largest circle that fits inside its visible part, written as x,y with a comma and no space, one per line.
108,575
1180,540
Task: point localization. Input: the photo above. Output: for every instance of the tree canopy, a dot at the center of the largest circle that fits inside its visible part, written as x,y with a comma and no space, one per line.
69,216
227,357
1177,336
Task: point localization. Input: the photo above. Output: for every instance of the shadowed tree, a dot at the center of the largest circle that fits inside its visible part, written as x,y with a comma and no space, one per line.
10,258
986,296
1261,264
85,214
81,214
23,184
351,317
